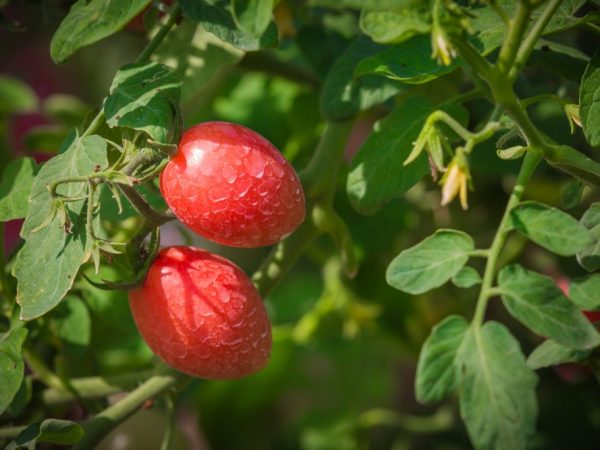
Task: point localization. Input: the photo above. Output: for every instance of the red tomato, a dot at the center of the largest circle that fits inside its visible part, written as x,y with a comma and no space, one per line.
202,315
232,186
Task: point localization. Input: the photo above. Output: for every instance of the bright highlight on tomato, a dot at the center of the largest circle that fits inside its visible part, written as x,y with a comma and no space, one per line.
232,186
202,315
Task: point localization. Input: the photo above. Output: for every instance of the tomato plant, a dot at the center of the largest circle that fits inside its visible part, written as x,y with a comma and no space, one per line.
322,224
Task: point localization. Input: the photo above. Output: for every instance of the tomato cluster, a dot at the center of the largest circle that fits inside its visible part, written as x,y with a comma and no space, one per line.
197,311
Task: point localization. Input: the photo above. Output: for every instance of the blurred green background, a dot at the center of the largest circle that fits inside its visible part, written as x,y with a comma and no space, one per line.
345,351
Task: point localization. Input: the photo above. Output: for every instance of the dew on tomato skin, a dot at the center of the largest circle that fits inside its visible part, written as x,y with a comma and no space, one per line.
277,170
243,186
229,174
254,164
217,194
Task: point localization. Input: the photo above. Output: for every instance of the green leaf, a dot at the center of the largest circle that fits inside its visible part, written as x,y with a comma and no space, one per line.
438,373
11,365
216,19
551,228
589,101
589,258
71,322
252,16
16,96
378,173
15,187
408,62
145,97
21,399
54,431
466,277
585,292
343,96
497,399
89,21
430,263
395,26
411,62
561,60
197,57
571,194
550,353
48,262
539,304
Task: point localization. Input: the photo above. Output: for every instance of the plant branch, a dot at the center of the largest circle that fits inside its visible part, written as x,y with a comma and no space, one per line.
319,179
320,174
100,425
151,217
94,387
144,56
170,419
536,31
7,433
441,420
472,56
530,162
516,29
160,35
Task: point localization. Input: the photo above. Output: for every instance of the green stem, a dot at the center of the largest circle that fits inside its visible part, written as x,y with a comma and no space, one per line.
442,420
99,426
472,56
483,135
500,11
52,187
42,372
151,217
530,162
510,47
7,433
94,124
159,36
170,419
526,102
144,56
282,258
319,179
319,176
536,31
480,253
94,387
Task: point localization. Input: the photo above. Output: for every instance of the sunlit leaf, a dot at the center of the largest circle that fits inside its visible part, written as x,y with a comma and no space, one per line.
438,372
497,395
430,263
537,302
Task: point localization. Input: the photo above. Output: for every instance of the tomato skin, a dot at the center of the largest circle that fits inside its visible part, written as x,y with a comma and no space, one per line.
232,186
202,315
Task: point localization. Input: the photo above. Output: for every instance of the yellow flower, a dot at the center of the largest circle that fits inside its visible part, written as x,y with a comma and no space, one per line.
572,112
442,48
455,181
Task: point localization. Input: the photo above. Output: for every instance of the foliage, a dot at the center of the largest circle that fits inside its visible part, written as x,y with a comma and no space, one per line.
386,109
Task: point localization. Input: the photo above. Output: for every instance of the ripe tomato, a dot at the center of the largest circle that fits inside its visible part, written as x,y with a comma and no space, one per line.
232,186
202,315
